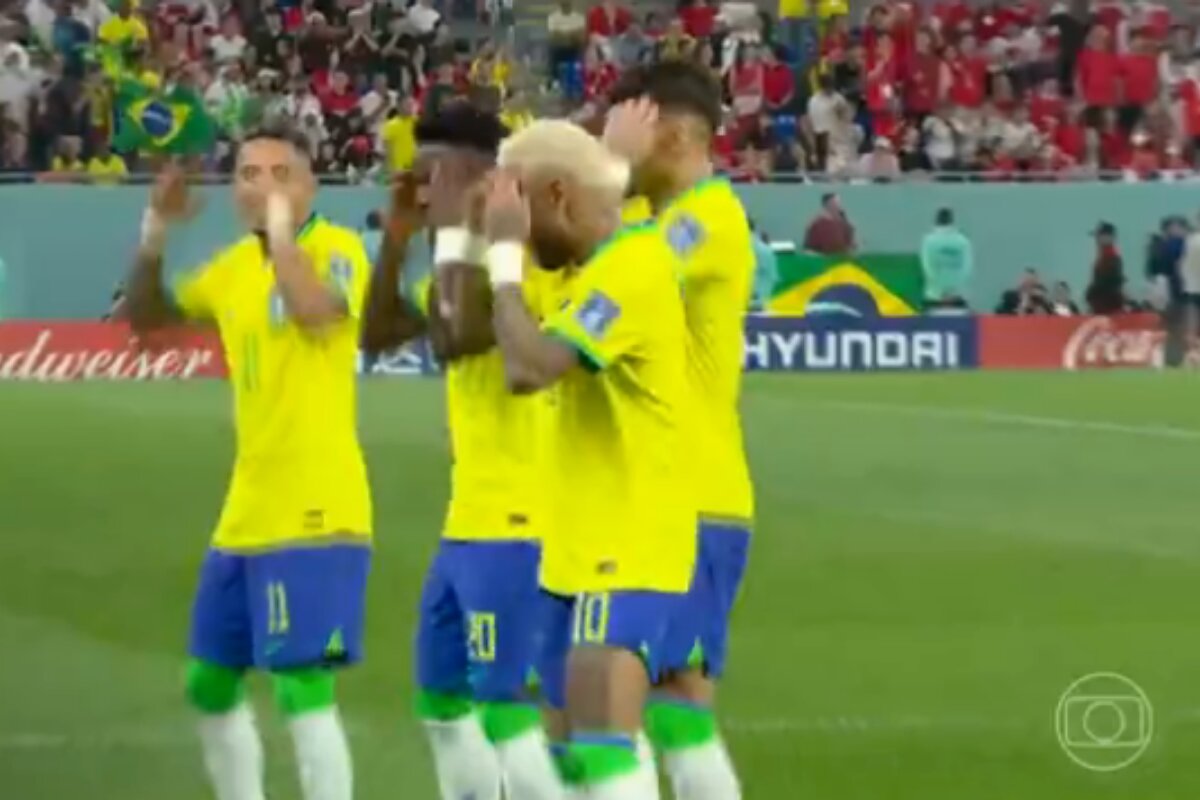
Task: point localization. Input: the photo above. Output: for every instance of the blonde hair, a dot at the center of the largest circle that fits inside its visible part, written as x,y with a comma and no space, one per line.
559,147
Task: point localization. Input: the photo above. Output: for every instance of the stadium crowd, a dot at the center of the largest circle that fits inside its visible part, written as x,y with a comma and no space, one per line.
1002,90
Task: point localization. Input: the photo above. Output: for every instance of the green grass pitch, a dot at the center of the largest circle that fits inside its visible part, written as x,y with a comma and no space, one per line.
937,558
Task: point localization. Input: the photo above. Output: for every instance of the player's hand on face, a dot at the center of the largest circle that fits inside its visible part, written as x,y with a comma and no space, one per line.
629,129
170,198
506,210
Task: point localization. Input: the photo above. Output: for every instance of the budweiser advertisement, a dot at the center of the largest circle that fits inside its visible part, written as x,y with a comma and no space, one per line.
67,351
1126,340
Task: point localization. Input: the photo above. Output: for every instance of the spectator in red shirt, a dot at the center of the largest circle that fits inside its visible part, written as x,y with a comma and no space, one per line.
1114,142
1111,15
699,18
830,232
1071,135
1139,80
924,81
1097,75
836,41
949,15
991,21
779,84
968,72
599,74
1189,101
1144,159
1155,20
339,97
1046,105
725,143
608,18
747,84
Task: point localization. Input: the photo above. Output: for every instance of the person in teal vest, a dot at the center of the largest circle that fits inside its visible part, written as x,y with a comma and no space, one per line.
947,259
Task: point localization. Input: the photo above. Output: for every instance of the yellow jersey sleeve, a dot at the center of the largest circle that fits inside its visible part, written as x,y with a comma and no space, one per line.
198,292
636,211
604,317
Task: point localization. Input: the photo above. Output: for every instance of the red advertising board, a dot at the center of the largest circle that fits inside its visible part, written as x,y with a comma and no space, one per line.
65,351
1036,342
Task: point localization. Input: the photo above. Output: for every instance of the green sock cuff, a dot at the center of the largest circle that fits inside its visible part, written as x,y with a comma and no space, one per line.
505,721
674,726
564,764
303,690
442,707
596,763
211,688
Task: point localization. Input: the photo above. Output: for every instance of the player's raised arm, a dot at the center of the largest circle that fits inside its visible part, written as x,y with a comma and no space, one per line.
274,187
532,360
560,191
390,320
148,305
310,303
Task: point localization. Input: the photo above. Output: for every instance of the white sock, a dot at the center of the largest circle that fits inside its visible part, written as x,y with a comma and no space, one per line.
703,772
627,787
323,755
646,766
233,754
465,761
528,770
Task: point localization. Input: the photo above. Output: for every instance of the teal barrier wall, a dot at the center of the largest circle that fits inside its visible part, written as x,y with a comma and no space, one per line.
67,247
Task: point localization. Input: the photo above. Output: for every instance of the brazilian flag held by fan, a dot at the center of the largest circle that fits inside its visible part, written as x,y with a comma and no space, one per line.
169,121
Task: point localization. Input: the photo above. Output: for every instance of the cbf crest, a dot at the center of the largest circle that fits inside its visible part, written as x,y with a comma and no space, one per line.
684,234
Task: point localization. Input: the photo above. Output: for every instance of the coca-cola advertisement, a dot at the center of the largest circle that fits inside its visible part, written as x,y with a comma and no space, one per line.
67,351
1030,342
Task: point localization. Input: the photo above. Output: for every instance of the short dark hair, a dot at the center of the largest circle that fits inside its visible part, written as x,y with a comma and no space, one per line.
461,124
944,217
280,130
676,86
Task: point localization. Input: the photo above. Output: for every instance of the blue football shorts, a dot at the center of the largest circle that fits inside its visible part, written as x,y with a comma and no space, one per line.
478,629
699,637
637,621
284,609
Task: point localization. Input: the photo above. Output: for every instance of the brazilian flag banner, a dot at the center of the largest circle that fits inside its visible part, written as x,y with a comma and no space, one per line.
171,121
859,286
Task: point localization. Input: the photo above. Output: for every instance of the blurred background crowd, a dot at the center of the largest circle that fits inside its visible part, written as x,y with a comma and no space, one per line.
1019,90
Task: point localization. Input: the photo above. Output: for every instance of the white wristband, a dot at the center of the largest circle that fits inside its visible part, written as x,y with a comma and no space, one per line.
506,263
154,229
457,245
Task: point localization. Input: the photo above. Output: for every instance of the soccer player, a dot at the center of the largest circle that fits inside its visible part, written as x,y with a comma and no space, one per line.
707,226
282,587
619,538
479,620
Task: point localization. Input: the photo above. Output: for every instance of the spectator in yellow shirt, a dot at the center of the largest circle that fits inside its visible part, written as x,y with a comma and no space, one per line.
516,114
106,166
124,28
66,162
398,136
490,68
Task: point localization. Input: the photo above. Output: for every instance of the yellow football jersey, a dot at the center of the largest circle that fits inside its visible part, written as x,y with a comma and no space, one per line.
636,210
707,228
496,441
621,514
299,473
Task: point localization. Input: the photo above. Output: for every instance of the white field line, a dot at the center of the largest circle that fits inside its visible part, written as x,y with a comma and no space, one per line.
181,735
1022,420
